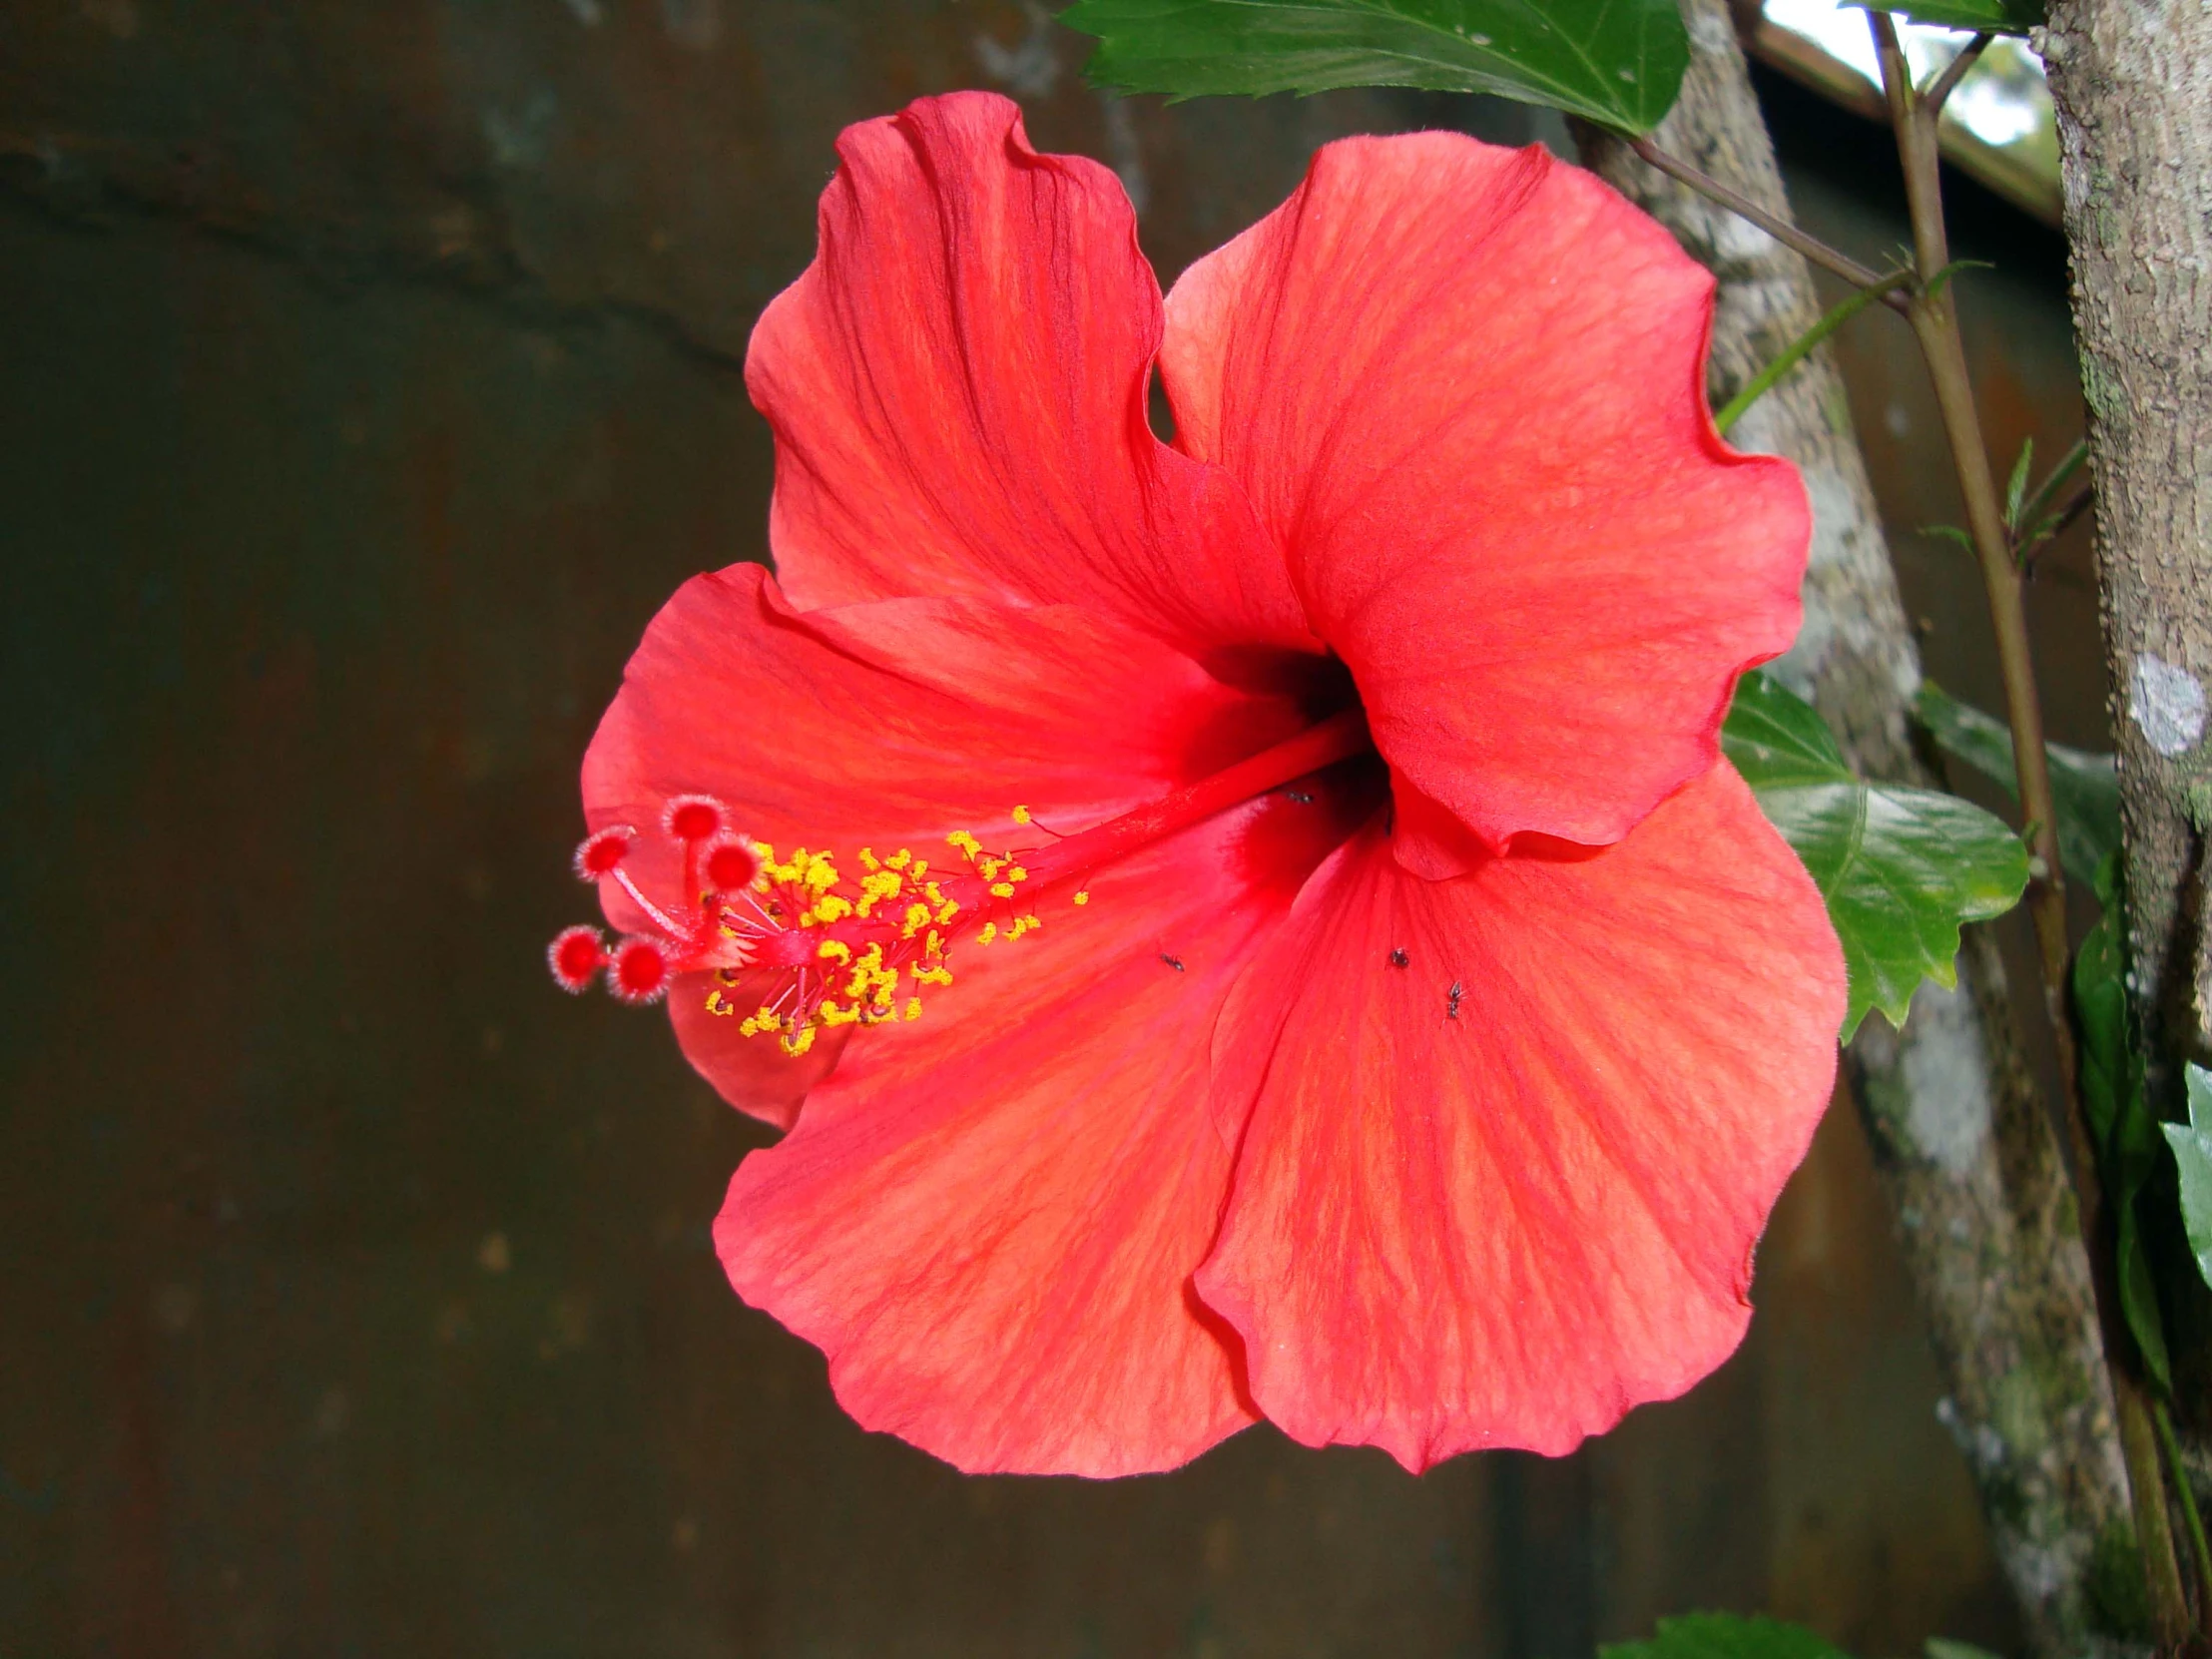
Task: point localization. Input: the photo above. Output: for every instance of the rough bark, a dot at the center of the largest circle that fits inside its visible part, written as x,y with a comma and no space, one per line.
1966,1148
2132,80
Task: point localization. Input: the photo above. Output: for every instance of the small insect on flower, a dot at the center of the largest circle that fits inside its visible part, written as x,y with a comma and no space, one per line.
1419,629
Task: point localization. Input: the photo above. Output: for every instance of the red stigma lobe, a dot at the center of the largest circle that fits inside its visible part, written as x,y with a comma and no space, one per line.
576,956
600,854
693,818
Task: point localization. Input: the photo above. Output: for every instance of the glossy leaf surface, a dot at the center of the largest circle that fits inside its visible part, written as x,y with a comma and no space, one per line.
1901,869
2002,17
2192,1148
1617,62
2085,786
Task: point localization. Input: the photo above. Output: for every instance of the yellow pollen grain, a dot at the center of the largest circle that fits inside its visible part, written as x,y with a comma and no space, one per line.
835,950
1014,872
914,1008
867,859
796,1046
1083,897
947,911
1022,814
964,841
990,868
1002,889
718,1004
898,859
990,932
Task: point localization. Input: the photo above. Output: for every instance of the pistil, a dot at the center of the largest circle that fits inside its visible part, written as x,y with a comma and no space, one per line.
794,945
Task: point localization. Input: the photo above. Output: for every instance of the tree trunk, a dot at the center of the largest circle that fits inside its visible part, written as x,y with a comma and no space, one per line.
2134,86
1966,1148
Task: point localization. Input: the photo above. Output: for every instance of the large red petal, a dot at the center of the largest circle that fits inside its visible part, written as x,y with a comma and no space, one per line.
1464,387
892,723
1508,1227
988,1217
957,386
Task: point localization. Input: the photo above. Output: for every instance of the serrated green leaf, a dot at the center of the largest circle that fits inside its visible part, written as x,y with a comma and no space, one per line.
1901,869
1999,17
2084,788
2192,1149
2111,1076
1617,62
1724,1636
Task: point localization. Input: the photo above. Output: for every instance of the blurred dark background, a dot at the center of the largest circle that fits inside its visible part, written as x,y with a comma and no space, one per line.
368,376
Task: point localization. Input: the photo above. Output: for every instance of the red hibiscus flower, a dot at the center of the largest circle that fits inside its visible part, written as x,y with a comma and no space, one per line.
1256,925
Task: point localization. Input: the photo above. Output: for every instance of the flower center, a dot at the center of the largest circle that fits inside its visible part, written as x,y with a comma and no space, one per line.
807,941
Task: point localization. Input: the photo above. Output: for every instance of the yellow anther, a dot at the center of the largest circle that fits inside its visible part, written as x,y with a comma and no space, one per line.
918,917
867,859
1035,923
964,841
1014,872
914,1008
990,932
835,950
718,1004
937,976
1016,929
1022,814
990,868
1083,897
898,859
796,1046
1002,889
834,1014
922,868
947,911
929,890
830,908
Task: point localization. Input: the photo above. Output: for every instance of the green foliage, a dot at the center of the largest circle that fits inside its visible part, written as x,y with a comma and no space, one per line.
2085,787
2119,1113
2192,1149
1617,62
1901,869
1724,1636
2015,489
2001,17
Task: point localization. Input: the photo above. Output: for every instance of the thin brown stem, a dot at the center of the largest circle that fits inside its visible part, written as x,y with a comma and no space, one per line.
1933,315
1827,257
1953,72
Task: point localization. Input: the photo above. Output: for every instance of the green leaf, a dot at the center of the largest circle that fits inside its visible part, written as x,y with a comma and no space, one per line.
2085,787
1617,62
2015,492
2119,1112
1950,532
2192,1149
2001,17
1901,869
1724,1636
